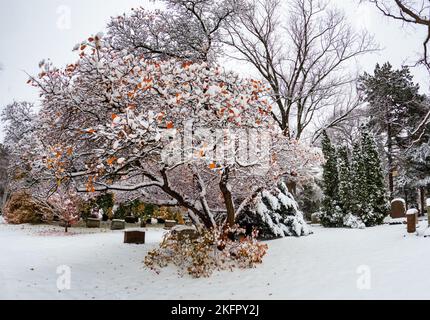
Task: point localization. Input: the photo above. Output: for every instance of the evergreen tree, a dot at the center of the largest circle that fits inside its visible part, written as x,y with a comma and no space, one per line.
331,214
415,165
354,188
275,215
375,190
344,176
395,106
358,185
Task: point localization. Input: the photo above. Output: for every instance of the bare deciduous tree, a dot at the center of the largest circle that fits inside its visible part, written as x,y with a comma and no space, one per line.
188,29
4,177
305,60
415,12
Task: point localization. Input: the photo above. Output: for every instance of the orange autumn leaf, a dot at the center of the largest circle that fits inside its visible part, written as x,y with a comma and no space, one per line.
111,161
212,166
114,116
69,151
186,64
170,125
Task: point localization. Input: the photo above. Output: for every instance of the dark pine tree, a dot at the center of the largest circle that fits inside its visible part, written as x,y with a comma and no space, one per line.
344,176
375,207
331,213
394,105
359,192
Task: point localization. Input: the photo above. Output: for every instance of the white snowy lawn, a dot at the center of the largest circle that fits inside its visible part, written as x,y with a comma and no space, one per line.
325,265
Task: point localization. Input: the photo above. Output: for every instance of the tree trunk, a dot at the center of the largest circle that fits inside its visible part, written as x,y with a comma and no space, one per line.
207,220
228,198
406,199
292,187
422,201
390,161
5,195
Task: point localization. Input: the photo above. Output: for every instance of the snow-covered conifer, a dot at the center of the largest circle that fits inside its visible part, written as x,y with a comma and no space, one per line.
331,214
344,176
375,183
275,215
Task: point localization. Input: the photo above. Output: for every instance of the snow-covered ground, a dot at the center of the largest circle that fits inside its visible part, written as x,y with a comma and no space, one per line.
325,265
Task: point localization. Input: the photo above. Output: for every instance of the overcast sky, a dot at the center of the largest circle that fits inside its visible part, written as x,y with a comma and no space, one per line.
33,30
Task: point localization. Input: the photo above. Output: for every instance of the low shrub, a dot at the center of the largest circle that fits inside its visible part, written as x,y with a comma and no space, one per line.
104,202
135,208
220,249
165,213
66,206
23,208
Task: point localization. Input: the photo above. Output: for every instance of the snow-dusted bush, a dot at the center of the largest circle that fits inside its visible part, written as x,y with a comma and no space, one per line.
66,207
275,215
23,208
219,249
332,216
353,222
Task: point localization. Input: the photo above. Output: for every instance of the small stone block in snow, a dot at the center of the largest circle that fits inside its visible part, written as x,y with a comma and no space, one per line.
93,223
392,221
185,232
412,212
131,219
169,224
315,218
117,224
428,202
134,237
412,220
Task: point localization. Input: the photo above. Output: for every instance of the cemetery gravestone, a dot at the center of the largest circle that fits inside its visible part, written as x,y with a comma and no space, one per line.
315,217
428,210
117,224
93,223
411,216
185,232
131,219
398,209
134,237
170,224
